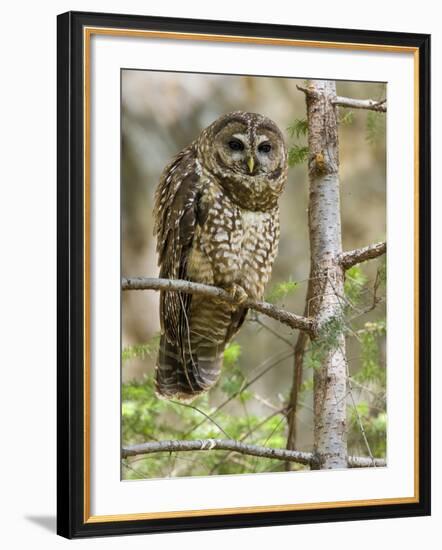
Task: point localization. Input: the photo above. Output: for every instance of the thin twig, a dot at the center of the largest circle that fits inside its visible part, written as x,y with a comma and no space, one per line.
375,302
377,395
203,413
367,310
265,402
258,321
140,476
279,358
278,424
301,343
358,416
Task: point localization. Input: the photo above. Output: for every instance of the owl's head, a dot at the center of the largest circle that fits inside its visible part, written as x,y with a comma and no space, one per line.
248,154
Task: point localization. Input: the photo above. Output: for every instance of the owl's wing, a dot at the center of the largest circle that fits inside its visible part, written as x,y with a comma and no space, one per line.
176,217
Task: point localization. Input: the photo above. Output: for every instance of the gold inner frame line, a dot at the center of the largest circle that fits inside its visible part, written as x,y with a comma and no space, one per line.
87,33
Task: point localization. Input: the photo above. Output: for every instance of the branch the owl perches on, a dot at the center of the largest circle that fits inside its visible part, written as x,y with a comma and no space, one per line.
151,283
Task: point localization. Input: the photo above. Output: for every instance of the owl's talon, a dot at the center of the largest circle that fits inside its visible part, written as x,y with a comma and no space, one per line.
238,293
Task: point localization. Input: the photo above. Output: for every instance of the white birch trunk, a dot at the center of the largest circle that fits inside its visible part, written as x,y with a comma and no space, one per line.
327,283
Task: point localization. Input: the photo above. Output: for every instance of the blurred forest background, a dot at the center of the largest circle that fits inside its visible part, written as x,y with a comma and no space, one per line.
163,112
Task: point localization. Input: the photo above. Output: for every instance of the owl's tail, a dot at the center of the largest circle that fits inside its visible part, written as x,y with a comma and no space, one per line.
192,366
184,378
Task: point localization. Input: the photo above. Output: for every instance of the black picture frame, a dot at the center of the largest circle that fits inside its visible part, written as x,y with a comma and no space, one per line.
72,519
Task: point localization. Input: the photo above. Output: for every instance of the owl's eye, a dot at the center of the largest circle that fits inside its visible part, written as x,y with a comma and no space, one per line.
265,148
236,145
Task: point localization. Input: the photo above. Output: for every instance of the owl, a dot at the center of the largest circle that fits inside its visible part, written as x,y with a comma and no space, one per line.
217,223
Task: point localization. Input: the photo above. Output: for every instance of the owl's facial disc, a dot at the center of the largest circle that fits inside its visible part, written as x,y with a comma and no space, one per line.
249,153
247,145
247,156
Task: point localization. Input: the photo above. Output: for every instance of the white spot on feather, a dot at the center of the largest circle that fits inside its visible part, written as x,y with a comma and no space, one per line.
221,236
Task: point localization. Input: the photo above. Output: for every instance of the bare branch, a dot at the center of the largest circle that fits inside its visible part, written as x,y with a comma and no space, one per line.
366,462
231,445
188,287
300,346
353,257
292,416
370,104
217,444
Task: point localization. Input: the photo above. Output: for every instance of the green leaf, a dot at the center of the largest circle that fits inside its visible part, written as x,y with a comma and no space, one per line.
246,395
232,354
307,385
232,384
362,408
378,328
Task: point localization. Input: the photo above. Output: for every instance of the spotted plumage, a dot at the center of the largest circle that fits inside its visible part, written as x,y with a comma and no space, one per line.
216,222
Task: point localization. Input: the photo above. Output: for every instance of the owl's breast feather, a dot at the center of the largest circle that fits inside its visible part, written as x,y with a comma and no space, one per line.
232,244
258,250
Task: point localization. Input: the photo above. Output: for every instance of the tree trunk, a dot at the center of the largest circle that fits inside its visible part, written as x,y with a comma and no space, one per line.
326,289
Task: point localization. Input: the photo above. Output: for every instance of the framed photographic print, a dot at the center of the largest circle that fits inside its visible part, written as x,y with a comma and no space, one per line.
236,346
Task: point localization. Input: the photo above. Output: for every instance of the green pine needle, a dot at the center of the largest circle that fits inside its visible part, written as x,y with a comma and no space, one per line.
347,118
297,155
141,351
298,128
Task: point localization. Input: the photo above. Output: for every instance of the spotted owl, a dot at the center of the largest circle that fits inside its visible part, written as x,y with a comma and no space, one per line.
217,223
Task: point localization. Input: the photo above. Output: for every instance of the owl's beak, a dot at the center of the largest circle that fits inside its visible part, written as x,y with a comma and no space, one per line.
251,164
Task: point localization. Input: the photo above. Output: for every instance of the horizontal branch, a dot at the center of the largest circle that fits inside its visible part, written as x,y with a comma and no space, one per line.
370,104
300,457
353,257
188,287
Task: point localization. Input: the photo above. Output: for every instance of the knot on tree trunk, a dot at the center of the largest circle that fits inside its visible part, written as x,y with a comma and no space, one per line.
319,165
